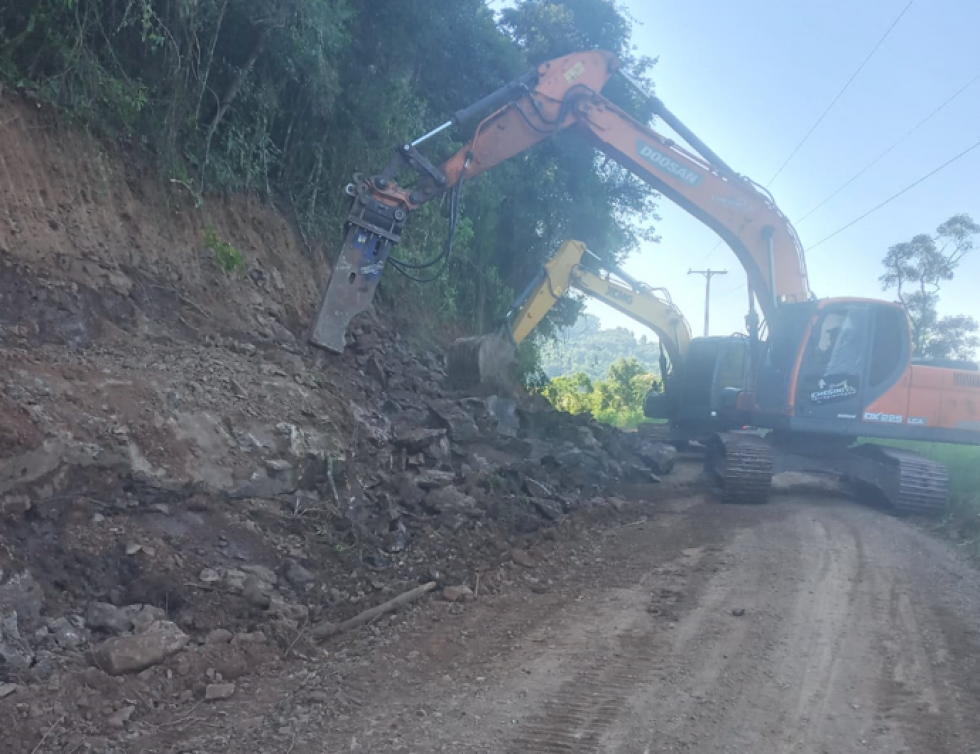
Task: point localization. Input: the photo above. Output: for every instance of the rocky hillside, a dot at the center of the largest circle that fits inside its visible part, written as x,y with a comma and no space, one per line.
188,492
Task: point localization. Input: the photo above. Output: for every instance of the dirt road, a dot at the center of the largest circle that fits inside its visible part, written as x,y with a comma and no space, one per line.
810,625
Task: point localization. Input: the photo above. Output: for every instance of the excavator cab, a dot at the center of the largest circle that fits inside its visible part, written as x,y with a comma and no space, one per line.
828,361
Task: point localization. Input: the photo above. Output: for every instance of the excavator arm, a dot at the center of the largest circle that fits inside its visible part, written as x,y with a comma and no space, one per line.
471,358
563,94
650,307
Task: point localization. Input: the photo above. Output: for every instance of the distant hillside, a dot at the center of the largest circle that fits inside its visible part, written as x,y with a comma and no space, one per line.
586,347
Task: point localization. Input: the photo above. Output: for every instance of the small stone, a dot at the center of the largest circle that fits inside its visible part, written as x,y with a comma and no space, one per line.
23,595
460,593
119,718
220,636
6,689
432,479
448,499
132,548
161,508
550,509
375,369
255,594
262,573
107,617
144,616
65,633
15,652
278,465
738,612
297,575
255,637
417,439
537,489
523,558
131,654
216,691
209,576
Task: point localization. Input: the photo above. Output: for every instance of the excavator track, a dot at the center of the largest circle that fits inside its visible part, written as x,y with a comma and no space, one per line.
741,466
912,484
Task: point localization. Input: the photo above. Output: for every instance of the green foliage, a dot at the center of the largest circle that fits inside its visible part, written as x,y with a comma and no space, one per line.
228,258
917,269
289,98
585,347
616,400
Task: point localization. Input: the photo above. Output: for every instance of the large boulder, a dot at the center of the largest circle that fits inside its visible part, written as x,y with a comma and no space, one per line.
659,456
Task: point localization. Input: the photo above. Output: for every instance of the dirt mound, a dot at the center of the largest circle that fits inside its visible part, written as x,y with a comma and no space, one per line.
186,490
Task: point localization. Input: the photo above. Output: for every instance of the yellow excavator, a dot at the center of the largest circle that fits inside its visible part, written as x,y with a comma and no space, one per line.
472,361
485,359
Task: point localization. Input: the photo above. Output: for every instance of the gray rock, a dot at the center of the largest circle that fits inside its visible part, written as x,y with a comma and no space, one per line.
448,499
16,654
106,617
375,369
216,691
550,509
120,717
22,594
523,558
432,479
65,634
410,494
659,456
144,616
265,487
460,593
298,576
256,592
262,573
122,655
537,489
220,636
504,411
6,689
457,421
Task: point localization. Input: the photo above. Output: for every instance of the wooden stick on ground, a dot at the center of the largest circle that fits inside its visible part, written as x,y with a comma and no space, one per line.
326,630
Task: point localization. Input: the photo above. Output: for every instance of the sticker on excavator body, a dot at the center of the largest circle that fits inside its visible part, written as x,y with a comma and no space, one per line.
574,72
619,295
875,416
666,163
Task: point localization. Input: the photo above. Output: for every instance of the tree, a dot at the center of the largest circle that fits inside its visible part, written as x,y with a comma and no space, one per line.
917,270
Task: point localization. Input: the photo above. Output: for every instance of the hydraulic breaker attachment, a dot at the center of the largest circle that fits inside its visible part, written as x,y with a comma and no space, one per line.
373,228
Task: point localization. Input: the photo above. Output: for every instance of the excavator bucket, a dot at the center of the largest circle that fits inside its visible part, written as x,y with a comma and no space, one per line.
473,361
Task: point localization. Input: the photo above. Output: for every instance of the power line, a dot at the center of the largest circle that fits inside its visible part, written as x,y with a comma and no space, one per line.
895,196
841,92
908,133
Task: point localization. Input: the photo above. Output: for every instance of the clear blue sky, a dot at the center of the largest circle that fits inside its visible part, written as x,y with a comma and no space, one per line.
751,77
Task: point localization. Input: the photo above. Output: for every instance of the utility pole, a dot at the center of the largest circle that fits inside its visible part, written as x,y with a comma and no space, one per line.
708,274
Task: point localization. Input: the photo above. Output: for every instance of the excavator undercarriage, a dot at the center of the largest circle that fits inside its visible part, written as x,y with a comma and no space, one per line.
741,466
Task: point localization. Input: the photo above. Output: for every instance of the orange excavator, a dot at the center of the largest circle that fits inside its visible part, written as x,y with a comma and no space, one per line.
823,373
